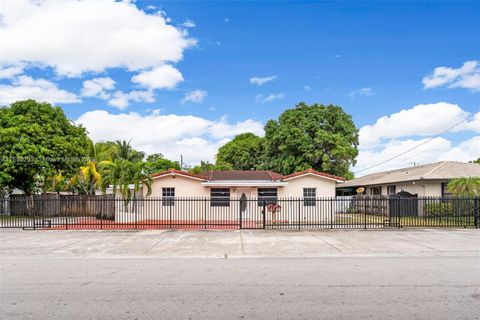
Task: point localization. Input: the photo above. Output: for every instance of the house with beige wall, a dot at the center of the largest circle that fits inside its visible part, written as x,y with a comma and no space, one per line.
429,180
227,195
253,184
424,184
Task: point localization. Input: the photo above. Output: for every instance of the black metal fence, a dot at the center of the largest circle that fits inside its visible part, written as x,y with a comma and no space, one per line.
110,212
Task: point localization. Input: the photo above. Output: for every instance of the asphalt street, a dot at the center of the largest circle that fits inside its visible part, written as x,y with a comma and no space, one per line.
99,282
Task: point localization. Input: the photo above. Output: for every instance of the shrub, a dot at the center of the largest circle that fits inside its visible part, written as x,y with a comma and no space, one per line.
437,209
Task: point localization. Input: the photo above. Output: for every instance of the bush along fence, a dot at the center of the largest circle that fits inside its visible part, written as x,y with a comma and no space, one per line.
110,212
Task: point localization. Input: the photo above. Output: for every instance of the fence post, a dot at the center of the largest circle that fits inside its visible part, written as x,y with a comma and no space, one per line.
66,217
264,212
204,213
331,210
476,211
299,214
240,213
135,210
170,212
365,213
103,205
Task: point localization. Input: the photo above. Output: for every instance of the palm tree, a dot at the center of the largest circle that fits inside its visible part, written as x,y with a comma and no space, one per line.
54,182
121,174
89,179
468,186
126,152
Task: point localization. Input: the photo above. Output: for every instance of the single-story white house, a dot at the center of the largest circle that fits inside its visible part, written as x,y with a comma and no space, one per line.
252,184
429,180
224,195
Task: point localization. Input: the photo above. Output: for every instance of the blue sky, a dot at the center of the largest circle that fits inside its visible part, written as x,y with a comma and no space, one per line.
372,58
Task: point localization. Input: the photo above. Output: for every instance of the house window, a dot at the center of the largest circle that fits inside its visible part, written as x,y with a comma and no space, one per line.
445,192
168,197
375,191
219,197
267,196
309,195
391,190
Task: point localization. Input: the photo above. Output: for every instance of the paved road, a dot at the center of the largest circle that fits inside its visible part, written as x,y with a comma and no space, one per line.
346,275
260,288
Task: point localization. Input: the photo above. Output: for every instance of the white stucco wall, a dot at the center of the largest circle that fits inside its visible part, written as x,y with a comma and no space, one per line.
422,189
184,187
291,211
187,187
324,187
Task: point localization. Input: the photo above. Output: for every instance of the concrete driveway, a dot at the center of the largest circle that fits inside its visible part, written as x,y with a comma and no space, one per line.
405,274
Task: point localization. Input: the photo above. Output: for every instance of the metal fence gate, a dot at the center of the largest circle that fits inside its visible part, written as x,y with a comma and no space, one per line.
109,212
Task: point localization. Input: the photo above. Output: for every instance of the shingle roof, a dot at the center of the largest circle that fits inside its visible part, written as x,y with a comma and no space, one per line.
444,170
215,175
245,175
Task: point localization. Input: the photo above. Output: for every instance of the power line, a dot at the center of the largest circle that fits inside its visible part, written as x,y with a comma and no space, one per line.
415,147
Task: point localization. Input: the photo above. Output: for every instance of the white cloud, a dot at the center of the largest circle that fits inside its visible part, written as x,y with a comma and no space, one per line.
467,76
397,133
260,81
420,120
162,77
428,153
195,96
307,88
189,24
194,137
466,151
74,37
121,100
260,98
222,129
98,87
8,72
26,87
362,92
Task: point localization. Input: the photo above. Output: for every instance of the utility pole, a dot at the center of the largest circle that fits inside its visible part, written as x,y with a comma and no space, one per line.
181,162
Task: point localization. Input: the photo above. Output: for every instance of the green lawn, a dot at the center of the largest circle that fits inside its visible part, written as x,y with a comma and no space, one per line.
446,221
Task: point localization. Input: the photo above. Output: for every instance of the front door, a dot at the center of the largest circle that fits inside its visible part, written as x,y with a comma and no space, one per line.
251,215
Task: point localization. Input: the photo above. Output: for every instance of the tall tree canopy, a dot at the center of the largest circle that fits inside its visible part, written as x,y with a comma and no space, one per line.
311,136
207,166
242,153
37,140
157,163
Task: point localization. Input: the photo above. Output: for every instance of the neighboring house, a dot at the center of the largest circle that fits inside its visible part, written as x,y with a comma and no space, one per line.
429,180
253,184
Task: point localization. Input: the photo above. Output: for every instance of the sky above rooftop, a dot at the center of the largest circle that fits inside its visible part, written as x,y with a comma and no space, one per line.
183,77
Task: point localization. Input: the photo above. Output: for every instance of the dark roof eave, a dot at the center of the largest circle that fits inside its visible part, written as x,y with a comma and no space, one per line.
388,182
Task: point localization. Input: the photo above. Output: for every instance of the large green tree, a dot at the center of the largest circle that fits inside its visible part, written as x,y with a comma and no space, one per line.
311,136
476,161
207,166
157,163
242,153
37,141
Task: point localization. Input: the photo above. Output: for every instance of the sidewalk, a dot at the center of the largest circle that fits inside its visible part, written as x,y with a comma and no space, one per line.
238,244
